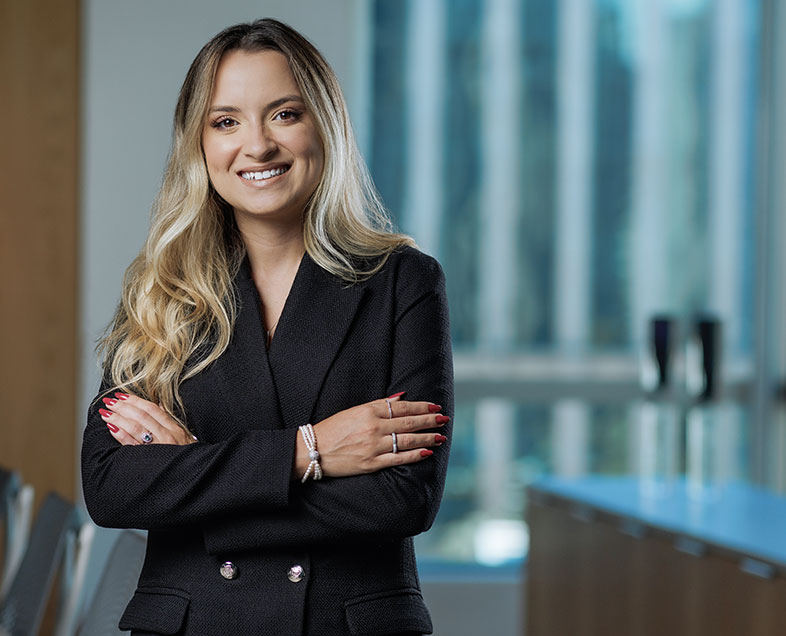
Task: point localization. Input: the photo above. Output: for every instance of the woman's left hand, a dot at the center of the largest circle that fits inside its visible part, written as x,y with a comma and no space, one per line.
133,421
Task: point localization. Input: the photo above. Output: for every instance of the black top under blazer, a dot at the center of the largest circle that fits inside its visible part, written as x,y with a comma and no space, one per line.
229,497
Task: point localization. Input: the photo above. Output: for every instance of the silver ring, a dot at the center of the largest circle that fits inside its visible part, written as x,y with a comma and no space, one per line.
147,437
390,409
395,443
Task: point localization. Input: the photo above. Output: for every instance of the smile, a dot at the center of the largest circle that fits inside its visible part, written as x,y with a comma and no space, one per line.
264,174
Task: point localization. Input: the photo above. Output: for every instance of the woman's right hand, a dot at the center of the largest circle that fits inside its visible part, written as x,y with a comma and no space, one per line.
358,440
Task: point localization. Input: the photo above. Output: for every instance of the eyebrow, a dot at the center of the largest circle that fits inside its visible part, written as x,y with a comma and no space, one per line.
274,104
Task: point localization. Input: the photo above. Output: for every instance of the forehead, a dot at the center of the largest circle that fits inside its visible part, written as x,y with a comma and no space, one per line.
244,77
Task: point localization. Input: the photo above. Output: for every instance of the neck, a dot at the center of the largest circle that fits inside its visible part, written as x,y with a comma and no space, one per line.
273,249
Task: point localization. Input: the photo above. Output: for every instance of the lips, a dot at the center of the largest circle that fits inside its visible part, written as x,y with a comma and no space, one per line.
262,175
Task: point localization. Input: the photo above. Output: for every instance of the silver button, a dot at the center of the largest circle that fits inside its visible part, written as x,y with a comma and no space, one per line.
295,573
228,570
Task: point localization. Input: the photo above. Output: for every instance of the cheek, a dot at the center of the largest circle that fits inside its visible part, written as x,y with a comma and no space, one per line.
317,156
216,155
305,142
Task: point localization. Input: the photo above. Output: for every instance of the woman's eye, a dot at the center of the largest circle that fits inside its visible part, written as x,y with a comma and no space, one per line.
286,115
223,123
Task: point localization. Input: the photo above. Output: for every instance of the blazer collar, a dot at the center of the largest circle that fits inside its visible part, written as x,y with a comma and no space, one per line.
317,314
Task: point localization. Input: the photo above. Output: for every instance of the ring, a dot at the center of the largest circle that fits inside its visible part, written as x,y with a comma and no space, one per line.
390,409
147,437
395,443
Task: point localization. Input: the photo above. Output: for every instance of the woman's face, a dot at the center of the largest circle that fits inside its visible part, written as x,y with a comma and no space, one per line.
262,150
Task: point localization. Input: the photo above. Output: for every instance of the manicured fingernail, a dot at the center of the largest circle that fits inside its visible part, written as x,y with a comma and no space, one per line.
122,396
105,413
426,453
109,401
439,439
441,419
434,408
395,395
112,427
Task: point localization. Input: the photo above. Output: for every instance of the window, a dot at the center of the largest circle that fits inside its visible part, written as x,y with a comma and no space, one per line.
578,167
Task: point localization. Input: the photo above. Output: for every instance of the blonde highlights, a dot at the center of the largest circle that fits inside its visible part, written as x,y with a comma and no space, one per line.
178,309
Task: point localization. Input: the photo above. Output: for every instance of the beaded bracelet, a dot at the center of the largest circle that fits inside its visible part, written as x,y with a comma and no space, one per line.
313,454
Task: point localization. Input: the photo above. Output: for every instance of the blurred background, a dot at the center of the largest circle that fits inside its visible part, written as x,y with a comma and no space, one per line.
600,179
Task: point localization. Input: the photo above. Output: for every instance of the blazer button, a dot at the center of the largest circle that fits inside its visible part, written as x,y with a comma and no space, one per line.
228,570
295,573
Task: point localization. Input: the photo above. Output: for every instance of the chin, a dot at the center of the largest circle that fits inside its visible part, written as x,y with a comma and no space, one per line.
267,212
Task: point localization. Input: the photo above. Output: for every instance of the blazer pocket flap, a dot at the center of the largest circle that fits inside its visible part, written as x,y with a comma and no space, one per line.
388,613
158,610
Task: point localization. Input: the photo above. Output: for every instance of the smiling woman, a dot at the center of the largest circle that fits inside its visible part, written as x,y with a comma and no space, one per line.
244,421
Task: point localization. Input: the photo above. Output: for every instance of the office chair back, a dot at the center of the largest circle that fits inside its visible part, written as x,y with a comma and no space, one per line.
23,607
16,513
116,586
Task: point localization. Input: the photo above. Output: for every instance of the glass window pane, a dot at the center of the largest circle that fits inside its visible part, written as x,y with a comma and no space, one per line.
577,168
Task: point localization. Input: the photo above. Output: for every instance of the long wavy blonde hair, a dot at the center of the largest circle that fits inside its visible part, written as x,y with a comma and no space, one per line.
177,309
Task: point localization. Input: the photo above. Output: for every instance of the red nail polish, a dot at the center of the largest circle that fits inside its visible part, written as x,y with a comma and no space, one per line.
122,396
426,453
395,395
441,419
109,401
440,439
112,427
434,408
105,413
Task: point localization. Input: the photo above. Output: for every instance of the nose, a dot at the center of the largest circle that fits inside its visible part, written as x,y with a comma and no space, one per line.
259,143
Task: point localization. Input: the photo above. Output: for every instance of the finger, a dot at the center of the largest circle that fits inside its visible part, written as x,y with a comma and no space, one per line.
136,423
151,416
410,441
402,408
175,433
124,438
142,421
151,409
402,458
412,423
121,435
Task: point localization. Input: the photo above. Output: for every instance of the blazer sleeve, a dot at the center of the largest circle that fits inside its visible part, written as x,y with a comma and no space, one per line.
392,503
164,485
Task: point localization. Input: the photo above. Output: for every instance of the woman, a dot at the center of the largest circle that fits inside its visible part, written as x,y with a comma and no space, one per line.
242,418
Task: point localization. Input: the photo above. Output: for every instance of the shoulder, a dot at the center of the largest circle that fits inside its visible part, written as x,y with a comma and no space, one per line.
413,268
408,276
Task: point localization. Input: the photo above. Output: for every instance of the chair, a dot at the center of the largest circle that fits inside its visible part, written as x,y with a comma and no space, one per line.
116,587
57,539
74,571
16,511
6,477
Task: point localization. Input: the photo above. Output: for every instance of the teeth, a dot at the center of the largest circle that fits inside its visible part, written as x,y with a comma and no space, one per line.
265,174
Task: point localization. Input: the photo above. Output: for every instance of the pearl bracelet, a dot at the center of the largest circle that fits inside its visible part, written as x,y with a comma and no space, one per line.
313,454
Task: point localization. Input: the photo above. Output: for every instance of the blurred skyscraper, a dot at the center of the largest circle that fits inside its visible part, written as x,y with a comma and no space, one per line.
576,166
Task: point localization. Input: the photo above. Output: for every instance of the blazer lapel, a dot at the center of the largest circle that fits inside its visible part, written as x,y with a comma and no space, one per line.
316,317
243,369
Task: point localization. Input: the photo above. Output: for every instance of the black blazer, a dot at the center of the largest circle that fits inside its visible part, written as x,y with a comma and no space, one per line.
229,497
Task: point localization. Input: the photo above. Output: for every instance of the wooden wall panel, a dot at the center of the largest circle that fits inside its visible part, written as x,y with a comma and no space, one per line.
39,177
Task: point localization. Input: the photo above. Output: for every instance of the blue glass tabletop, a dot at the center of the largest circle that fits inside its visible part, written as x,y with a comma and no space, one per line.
737,517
